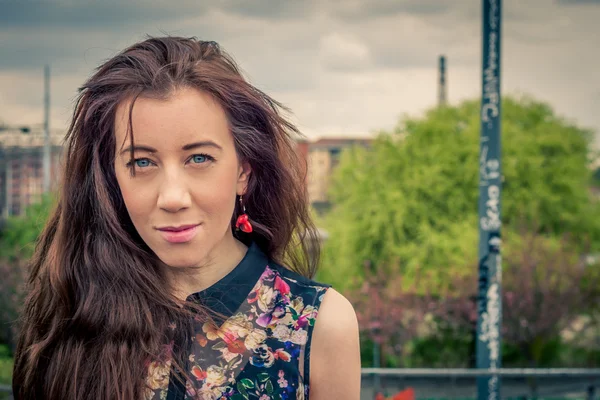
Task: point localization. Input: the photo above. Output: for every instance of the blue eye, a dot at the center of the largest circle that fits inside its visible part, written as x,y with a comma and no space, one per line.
139,163
142,162
199,158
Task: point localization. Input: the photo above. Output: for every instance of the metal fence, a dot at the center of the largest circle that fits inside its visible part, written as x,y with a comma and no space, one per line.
440,384
516,383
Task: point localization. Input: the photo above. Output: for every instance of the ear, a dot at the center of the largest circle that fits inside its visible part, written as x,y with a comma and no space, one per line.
244,172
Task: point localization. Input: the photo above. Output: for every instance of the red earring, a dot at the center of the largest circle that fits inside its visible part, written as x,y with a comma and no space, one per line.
243,221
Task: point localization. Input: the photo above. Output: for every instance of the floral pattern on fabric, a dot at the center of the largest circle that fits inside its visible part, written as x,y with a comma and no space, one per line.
157,380
257,353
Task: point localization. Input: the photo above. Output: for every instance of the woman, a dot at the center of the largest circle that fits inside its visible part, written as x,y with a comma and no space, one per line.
178,261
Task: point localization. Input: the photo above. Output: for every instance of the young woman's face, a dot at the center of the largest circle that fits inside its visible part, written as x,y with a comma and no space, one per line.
183,195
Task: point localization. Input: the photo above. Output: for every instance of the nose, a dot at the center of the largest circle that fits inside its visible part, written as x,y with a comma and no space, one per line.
174,194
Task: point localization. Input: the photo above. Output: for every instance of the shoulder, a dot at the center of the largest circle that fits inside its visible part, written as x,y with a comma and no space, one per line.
337,324
336,313
335,354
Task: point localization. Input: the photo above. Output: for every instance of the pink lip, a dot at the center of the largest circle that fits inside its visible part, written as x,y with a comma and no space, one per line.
180,234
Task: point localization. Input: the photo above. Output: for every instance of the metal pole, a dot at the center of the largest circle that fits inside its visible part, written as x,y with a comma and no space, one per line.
376,364
442,83
46,128
488,348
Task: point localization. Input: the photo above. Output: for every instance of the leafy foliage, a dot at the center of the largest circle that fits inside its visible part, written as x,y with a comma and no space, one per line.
17,241
6,366
413,195
548,297
19,233
390,314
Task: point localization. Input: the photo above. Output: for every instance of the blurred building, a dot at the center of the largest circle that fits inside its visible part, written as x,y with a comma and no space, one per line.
22,176
322,157
302,148
21,167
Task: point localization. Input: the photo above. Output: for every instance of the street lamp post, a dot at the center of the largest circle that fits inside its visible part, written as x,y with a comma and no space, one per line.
488,348
47,144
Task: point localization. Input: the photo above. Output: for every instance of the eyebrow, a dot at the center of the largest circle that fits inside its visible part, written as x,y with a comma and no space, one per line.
190,146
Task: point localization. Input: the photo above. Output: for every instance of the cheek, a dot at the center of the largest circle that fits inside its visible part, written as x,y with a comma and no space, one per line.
137,198
217,195
138,203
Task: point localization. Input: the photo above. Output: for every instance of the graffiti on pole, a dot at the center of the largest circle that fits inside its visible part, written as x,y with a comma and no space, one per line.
489,350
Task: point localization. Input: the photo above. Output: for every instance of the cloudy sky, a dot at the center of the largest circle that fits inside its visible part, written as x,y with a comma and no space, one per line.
345,67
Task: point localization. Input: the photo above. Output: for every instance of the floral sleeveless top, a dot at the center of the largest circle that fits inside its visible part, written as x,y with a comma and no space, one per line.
262,349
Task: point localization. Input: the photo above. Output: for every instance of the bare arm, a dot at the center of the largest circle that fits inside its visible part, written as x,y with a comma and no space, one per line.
335,351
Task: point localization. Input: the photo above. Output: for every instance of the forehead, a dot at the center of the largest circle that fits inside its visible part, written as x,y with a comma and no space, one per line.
186,116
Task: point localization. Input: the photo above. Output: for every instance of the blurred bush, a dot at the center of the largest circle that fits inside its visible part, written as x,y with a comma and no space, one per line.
408,206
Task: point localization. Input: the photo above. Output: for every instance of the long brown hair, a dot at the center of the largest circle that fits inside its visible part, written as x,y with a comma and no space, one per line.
98,307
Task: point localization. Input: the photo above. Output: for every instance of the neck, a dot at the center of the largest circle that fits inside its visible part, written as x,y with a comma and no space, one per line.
218,263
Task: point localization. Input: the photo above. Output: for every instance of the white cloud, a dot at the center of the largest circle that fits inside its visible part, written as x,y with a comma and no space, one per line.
343,52
344,67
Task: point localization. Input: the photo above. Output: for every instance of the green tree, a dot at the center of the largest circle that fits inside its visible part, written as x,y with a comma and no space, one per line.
548,296
18,234
411,199
18,237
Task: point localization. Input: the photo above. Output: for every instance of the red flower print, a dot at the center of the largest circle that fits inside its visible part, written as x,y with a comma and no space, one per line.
282,355
236,346
198,373
253,297
281,286
201,339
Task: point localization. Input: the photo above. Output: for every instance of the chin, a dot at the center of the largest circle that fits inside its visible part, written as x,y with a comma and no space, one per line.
180,262
184,263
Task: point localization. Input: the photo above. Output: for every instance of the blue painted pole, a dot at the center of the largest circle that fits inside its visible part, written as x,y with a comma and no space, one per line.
442,95
489,349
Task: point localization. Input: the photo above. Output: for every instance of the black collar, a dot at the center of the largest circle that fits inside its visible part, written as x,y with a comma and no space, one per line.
228,294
